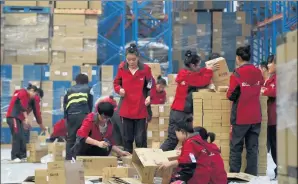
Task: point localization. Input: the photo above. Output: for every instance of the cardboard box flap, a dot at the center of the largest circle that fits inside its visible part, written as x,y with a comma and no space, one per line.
172,155
240,176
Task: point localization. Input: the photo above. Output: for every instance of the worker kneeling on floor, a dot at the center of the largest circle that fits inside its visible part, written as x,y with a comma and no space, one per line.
94,138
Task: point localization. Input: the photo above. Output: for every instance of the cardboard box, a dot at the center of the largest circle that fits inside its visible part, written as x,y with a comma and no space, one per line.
146,161
20,3
154,124
107,88
75,31
20,19
58,57
32,57
172,79
95,5
67,43
220,76
62,73
164,110
93,166
172,155
66,172
155,110
164,123
41,176
107,73
57,149
72,4
35,151
124,172
81,57
155,69
127,161
69,19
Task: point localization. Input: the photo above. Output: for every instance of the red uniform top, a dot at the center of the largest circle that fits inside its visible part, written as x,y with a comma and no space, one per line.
90,128
158,97
218,173
270,91
137,89
187,83
194,162
60,129
244,91
34,105
18,104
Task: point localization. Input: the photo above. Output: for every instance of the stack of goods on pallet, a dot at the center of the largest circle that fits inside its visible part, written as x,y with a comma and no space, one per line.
230,31
198,5
158,126
26,35
53,79
192,31
212,110
287,108
78,4
107,78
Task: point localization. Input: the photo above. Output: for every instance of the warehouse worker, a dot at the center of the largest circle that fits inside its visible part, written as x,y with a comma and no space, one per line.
269,90
17,120
59,131
244,91
158,93
189,80
115,119
94,138
78,102
218,173
133,83
194,163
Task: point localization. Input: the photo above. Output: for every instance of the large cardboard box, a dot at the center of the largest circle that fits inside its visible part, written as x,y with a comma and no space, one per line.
35,151
20,3
66,172
62,73
72,4
94,166
18,19
107,88
69,19
95,5
41,176
164,110
80,57
76,31
220,76
57,149
107,73
67,43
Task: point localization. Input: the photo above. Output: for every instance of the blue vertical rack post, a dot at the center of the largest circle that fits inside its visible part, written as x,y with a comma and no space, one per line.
111,33
164,32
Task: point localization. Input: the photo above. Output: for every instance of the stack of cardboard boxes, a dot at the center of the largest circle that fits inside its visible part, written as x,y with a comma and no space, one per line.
107,77
26,38
193,6
158,127
78,4
287,108
28,3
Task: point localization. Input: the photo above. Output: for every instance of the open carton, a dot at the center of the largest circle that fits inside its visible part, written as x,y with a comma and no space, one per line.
35,151
221,76
57,149
146,161
240,177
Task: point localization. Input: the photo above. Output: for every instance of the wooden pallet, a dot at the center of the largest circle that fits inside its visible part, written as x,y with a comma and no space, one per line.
77,11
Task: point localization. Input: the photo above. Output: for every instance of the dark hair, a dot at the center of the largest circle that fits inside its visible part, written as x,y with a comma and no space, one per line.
40,92
111,97
271,59
30,86
204,134
264,64
82,79
191,58
214,56
244,53
161,81
105,108
132,49
185,127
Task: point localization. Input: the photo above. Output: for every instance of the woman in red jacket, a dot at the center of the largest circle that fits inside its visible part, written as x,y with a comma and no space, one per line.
158,93
133,83
218,173
17,120
189,79
244,91
59,131
94,138
269,90
194,162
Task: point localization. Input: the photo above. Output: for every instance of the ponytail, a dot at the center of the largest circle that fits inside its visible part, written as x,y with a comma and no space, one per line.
30,86
211,137
161,81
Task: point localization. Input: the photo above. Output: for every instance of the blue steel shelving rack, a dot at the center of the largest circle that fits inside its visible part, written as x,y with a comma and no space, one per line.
270,19
162,25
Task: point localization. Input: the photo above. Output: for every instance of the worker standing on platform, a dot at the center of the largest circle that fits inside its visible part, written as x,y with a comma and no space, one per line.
78,102
17,120
189,80
133,83
269,90
158,93
244,91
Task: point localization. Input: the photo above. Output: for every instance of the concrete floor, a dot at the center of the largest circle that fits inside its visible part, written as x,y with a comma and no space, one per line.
16,173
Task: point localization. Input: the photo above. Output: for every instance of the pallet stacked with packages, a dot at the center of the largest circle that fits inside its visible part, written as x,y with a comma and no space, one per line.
53,79
287,108
26,35
212,110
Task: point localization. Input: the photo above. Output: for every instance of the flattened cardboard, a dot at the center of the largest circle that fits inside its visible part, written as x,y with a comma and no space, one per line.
240,176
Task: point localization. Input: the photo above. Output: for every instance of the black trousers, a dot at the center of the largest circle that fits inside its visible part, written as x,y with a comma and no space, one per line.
117,129
83,149
74,122
271,138
176,117
134,130
249,134
18,138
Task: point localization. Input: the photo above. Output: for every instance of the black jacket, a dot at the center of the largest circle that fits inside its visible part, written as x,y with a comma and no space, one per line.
78,100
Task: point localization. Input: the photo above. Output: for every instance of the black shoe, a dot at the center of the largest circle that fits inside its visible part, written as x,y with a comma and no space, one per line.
275,171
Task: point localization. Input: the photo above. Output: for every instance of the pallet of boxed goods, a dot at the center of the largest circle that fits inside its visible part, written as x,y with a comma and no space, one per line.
212,111
26,37
287,108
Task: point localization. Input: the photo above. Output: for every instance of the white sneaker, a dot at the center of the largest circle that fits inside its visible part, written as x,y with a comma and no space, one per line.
24,160
17,160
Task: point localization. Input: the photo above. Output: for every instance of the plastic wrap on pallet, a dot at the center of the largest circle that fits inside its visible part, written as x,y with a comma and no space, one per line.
230,31
198,5
191,31
26,38
151,7
74,39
